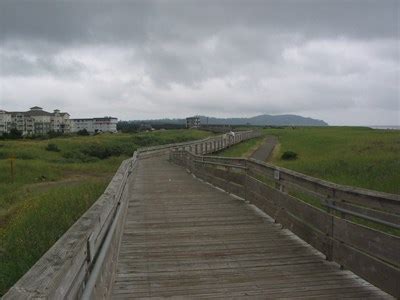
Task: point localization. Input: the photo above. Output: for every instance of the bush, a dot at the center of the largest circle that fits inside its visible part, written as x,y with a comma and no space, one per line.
53,148
54,134
14,134
101,151
83,132
77,157
148,140
289,155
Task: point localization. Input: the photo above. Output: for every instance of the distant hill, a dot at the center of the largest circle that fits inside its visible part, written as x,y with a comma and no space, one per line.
261,120
279,120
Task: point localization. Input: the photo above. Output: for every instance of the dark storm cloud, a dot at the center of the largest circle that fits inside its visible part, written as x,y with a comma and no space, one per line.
94,21
140,59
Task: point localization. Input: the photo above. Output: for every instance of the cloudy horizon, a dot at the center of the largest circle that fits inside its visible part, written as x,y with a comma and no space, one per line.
338,61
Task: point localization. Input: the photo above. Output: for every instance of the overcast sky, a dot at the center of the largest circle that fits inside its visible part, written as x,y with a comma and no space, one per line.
333,60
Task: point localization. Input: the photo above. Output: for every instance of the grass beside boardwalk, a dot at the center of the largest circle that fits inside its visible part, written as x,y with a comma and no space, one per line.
243,149
355,156
52,189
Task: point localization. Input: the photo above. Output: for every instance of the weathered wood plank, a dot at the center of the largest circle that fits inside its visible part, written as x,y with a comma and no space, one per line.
373,242
181,240
375,271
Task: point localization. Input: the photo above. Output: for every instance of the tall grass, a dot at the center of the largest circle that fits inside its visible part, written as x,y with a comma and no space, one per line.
50,190
38,223
354,156
243,149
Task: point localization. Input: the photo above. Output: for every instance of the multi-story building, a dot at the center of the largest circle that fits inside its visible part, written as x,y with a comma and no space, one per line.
193,122
5,121
94,125
60,122
36,121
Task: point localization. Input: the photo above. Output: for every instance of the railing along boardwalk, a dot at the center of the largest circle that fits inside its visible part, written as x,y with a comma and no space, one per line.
157,231
184,238
372,254
81,263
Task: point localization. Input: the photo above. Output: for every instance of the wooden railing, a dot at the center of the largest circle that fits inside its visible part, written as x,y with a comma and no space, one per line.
331,223
205,146
63,271
81,263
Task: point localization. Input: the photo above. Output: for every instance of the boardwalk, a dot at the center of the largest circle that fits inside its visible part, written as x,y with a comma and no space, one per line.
184,238
265,150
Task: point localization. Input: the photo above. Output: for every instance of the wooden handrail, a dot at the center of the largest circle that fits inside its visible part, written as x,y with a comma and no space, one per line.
372,254
81,262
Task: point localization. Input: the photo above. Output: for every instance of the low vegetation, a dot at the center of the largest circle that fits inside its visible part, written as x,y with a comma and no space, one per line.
52,183
243,149
355,156
289,155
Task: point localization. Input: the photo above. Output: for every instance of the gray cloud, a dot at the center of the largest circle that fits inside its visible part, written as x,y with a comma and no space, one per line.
139,59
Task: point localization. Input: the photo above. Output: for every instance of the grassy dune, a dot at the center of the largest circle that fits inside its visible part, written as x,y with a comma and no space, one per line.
51,189
243,149
353,156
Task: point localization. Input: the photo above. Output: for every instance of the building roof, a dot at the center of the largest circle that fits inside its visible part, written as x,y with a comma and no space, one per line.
36,108
38,113
105,118
95,119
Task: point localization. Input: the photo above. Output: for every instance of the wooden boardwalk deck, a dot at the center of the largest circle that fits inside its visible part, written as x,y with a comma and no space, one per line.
185,239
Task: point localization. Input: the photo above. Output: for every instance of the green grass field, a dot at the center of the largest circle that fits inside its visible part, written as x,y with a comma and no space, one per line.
243,149
50,190
355,156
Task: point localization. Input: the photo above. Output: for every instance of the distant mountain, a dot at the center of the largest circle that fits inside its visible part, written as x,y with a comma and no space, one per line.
261,120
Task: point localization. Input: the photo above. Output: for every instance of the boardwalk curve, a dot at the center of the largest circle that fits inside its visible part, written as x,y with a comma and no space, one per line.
157,231
184,238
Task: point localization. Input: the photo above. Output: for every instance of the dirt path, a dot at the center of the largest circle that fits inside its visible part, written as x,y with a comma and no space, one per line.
265,150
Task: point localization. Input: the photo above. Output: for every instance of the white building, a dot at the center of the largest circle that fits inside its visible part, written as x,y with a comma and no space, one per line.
5,121
35,121
94,125
60,122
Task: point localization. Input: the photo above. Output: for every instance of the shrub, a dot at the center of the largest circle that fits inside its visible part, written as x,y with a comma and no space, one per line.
14,134
289,155
77,157
101,151
148,140
53,148
54,134
83,132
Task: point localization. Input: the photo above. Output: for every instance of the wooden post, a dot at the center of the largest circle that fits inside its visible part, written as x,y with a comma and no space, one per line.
12,167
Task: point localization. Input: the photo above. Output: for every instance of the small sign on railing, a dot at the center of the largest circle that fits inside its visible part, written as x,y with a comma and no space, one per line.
276,174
